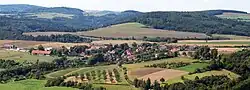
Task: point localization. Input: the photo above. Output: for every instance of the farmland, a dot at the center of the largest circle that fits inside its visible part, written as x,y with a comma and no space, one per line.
128,30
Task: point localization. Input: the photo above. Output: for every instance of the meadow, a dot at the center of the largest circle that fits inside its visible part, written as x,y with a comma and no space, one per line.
30,84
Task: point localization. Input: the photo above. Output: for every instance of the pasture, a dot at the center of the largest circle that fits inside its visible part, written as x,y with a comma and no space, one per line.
192,67
229,74
213,43
231,37
30,84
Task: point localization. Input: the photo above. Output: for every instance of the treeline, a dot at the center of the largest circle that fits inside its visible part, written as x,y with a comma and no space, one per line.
60,82
201,22
205,83
37,70
66,38
168,65
6,64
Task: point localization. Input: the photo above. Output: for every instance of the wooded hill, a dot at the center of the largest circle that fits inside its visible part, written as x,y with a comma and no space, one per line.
28,18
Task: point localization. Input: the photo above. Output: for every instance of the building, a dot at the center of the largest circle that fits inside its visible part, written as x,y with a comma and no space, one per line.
39,52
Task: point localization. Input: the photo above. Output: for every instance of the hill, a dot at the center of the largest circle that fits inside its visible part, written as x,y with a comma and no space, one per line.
236,16
138,31
17,8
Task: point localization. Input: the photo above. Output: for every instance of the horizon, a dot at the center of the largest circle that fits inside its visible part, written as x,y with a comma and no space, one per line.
156,5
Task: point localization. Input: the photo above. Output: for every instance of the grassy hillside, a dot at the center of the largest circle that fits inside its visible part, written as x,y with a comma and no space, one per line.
137,30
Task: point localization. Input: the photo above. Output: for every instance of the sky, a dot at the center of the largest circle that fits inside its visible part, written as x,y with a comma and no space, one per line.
140,5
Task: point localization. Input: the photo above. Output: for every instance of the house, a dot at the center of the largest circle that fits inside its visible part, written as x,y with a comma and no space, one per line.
39,52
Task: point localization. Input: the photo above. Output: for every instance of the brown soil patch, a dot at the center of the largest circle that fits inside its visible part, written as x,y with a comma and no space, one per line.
144,71
228,50
166,74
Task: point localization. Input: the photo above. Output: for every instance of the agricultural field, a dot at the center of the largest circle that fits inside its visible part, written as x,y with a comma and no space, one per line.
35,34
30,85
235,16
24,56
21,43
214,42
231,37
119,42
128,30
50,15
231,75
136,30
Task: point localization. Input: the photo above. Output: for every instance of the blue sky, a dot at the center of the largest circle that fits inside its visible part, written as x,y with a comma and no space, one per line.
140,5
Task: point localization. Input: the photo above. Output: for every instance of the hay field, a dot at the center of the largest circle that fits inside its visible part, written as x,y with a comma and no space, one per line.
119,42
49,15
21,43
46,33
137,30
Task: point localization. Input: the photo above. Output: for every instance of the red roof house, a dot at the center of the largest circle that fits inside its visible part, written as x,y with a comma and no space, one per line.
39,52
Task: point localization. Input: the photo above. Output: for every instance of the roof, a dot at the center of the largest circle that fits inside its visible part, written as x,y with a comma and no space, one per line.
40,52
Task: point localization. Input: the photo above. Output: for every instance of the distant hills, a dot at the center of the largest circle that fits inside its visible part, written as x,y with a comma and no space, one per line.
19,18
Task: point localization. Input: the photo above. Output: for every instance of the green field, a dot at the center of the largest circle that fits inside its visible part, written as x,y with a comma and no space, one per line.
231,75
30,85
193,67
141,65
60,73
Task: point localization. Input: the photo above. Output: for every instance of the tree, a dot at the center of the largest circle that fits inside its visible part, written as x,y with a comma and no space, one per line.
30,50
214,54
95,59
162,80
40,47
156,86
148,84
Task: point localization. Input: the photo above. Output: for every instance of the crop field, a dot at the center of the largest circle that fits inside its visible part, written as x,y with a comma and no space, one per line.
214,42
30,85
231,75
166,74
128,30
232,37
117,87
24,56
235,16
21,43
46,33
119,42
136,30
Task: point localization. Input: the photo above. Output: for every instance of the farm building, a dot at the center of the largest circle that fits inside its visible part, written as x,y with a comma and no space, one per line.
39,52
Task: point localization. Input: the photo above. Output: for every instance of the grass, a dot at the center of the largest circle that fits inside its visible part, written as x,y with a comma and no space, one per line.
193,67
60,73
24,56
30,84
226,42
117,87
230,74
141,65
